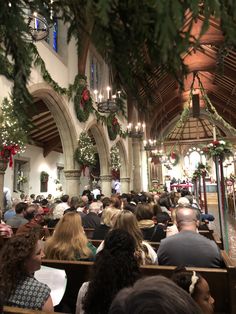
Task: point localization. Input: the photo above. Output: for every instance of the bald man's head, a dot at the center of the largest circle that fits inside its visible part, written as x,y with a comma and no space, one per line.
186,218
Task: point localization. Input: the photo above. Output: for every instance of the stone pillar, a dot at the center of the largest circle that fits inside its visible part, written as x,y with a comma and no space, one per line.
159,175
137,186
125,185
3,167
106,184
72,182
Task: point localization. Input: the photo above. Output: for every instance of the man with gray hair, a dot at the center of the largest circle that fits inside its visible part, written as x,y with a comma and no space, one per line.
92,220
188,248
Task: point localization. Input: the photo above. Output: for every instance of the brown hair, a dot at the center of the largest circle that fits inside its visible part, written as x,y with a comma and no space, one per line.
68,241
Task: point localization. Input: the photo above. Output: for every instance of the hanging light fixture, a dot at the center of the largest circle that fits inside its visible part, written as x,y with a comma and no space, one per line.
150,145
38,25
136,131
108,105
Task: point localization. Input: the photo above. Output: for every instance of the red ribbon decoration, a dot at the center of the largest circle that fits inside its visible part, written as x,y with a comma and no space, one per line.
8,152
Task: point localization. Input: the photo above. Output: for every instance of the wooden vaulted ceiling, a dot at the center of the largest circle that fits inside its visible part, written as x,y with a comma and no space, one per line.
217,73
45,132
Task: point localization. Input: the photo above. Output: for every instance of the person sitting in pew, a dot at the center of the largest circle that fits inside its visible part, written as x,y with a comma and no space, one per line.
156,294
108,218
127,221
20,257
69,241
197,287
188,248
151,232
115,267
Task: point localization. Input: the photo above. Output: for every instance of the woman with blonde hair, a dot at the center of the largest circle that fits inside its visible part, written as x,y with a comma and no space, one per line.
107,221
69,241
127,221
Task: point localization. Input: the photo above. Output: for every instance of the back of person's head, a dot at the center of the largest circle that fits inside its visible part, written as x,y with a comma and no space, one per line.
186,218
144,211
151,295
115,201
106,201
75,201
13,260
183,201
109,215
44,202
94,207
115,267
127,221
20,207
194,284
184,192
68,239
163,218
64,198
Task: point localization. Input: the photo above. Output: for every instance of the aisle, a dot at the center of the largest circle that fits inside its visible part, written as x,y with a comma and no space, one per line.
231,229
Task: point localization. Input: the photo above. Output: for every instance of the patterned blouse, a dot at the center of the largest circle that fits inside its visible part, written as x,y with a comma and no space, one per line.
30,294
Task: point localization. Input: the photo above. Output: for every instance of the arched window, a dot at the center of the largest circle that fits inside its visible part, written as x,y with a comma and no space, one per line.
193,158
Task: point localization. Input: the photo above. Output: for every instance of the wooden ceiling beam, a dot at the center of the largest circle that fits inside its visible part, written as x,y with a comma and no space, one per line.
51,145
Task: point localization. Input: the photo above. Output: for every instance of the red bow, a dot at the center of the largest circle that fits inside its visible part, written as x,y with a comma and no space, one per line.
9,151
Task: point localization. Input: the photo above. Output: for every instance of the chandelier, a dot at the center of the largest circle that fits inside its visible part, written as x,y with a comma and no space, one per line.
38,27
150,145
108,105
136,131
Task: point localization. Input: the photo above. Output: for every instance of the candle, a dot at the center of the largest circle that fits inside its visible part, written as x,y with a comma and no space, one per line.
214,133
100,97
108,92
35,20
96,95
129,127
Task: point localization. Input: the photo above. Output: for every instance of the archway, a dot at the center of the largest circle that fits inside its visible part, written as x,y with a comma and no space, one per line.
58,107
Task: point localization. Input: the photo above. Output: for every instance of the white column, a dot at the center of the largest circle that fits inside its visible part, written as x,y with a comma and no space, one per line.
125,185
106,184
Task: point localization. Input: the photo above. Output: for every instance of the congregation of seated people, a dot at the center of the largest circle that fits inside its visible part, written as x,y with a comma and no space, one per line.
126,225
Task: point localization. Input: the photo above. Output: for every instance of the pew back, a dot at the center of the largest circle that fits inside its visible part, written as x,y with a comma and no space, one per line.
222,281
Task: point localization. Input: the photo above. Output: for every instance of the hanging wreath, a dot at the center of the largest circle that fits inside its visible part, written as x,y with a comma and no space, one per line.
44,177
174,158
81,97
113,127
85,152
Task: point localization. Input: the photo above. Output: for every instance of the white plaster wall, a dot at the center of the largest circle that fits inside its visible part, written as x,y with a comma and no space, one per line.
37,163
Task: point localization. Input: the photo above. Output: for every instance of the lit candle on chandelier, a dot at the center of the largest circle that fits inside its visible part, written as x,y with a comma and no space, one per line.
108,92
96,95
214,133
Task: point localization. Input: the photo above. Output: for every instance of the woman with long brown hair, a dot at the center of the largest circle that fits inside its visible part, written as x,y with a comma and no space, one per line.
127,221
69,241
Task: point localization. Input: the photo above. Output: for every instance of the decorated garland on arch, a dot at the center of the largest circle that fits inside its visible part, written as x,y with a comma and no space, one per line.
85,152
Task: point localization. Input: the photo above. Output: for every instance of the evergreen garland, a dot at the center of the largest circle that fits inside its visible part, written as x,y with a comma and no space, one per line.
11,130
85,152
115,158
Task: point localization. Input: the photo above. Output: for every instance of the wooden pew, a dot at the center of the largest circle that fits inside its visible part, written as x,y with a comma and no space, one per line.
18,310
222,281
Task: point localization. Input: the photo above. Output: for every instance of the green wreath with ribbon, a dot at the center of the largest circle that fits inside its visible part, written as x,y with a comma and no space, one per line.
81,97
174,158
113,127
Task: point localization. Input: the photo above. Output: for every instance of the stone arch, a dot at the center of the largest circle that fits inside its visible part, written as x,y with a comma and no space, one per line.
124,170
59,109
102,146
124,158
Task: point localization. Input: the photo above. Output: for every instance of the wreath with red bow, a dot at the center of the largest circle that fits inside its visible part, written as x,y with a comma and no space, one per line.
113,127
82,99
